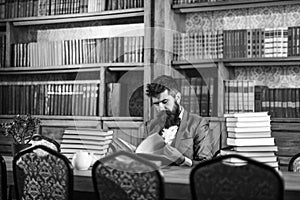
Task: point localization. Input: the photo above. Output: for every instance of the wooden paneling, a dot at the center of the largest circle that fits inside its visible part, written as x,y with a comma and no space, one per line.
287,137
5,145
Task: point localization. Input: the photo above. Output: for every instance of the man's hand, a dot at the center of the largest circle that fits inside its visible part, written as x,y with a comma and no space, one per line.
173,154
176,156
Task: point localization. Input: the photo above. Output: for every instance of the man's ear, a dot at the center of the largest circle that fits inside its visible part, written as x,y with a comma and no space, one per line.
178,97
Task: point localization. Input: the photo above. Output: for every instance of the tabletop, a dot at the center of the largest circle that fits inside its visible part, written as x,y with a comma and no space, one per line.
176,181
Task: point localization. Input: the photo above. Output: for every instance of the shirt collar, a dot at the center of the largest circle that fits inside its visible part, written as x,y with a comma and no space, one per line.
181,112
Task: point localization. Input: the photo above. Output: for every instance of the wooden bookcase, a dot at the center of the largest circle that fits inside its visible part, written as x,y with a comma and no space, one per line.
110,29
161,21
192,17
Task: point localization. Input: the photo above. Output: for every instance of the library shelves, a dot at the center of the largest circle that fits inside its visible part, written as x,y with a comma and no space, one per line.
80,17
274,78
226,5
69,71
197,46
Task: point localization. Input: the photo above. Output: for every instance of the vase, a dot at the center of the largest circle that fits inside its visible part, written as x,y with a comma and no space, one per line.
16,148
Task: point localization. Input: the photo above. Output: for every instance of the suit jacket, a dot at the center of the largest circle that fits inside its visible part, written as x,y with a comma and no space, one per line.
192,138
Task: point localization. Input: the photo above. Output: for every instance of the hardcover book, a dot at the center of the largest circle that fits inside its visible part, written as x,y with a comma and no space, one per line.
251,141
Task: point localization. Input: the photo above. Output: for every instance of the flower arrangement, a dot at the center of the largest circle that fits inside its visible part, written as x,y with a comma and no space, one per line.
22,128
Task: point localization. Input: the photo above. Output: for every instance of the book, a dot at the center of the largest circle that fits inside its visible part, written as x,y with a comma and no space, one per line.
264,159
154,145
249,134
249,129
113,99
246,114
85,145
255,148
87,137
120,144
86,131
250,141
248,124
248,119
240,163
87,142
249,153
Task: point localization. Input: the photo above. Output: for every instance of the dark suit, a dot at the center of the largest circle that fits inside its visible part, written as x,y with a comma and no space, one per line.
192,138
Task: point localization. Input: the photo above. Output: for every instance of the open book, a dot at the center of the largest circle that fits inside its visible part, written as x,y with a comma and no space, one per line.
155,149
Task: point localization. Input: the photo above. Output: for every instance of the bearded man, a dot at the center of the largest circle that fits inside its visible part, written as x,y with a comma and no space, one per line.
186,135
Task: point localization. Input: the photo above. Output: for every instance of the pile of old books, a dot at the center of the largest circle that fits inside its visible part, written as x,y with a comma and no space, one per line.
249,134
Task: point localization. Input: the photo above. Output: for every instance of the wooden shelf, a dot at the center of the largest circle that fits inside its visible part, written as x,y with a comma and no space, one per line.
54,19
206,63
57,117
122,118
262,61
94,118
80,121
69,68
285,120
275,61
226,5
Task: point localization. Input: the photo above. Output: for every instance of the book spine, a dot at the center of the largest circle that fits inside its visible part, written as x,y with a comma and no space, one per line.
271,102
226,96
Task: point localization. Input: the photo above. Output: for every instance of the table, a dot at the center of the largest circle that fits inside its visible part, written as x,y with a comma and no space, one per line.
176,182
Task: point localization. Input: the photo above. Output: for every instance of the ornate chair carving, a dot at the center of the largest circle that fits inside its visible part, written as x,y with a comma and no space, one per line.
294,164
3,179
126,176
221,180
42,173
38,139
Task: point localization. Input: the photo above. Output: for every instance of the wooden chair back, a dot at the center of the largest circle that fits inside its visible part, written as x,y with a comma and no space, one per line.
127,176
42,173
294,164
219,179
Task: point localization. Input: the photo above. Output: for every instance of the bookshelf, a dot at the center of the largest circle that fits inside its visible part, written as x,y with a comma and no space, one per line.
236,40
259,45
57,64
182,38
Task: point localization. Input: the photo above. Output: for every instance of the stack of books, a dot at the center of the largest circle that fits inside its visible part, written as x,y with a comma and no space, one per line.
249,134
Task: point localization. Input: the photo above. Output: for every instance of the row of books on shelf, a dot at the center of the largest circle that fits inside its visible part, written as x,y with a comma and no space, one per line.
244,43
279,102
197,95
30,8
238,96
245,96
78,51
78,98
198,45
193,1
249,134
257,43
2,49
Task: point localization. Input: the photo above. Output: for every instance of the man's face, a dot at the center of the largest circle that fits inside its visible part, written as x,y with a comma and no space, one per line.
168,108
164,102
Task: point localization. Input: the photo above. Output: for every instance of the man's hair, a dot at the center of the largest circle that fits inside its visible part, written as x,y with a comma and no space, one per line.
160,84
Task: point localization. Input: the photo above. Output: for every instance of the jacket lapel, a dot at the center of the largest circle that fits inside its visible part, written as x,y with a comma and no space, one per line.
182,132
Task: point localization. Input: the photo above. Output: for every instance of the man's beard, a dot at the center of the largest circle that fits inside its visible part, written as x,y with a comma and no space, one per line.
172,117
